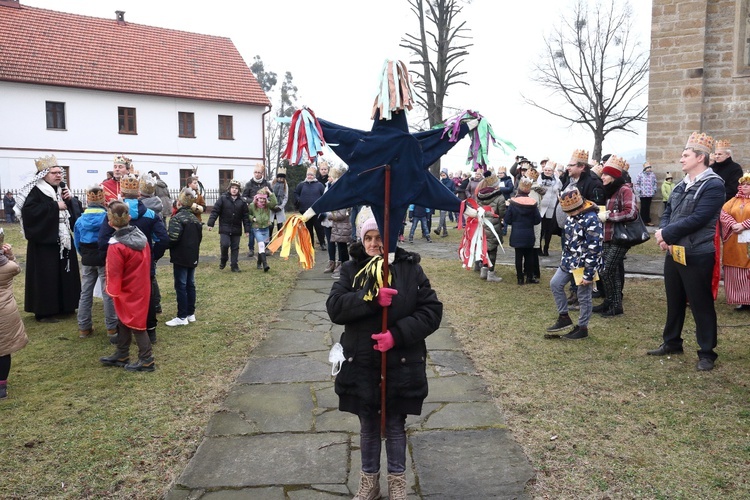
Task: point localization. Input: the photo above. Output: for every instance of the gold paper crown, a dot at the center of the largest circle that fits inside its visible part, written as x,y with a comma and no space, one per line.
524,185
118,214
700,142
122,160
45,163
571,200
187,197
281,171
147,184
745,179
616,162
580,156
95,194
533,174
129,185
723,144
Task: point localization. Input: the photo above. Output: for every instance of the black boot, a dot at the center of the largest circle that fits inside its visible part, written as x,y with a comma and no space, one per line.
260,264
152,335
264,262
602,307
520,280
222,264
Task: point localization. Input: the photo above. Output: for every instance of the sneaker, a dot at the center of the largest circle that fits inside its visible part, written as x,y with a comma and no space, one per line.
563,321
577,333
177,322
191,318
141,365
705,365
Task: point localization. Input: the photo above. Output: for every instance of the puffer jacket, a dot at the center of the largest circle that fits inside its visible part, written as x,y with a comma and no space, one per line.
414,314
12,331
582,243
341,226
493,198
261,217
523,215
86,235
690,217
185,235
232,213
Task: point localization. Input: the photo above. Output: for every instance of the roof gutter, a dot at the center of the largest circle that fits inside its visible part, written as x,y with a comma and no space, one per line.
263,127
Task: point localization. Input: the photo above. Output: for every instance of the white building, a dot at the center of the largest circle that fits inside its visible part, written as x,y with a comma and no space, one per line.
87,89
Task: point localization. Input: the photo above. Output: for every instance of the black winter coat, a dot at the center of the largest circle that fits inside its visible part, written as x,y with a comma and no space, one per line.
233,215
522,214
414,314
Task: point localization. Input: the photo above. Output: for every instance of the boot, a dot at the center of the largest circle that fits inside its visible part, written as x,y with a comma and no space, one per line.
329,268
250,254
260,264
602,307
520,281
572,298
152,335
445,234
264,262
3,390
483,273
577,333
117,359
236,268
337,267
369,486
112,335
397,486
84,334
222,263
141,365
531,280
563,321
493,278
437,231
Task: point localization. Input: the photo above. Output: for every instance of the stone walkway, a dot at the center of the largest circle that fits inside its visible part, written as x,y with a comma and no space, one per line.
279,434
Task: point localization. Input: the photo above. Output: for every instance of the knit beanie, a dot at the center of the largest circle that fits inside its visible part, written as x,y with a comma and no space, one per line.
369,225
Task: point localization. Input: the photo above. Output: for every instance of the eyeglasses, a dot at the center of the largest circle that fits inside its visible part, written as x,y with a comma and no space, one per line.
59,172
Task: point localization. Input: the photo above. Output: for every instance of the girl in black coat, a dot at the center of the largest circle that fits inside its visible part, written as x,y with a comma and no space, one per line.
414,313
523,215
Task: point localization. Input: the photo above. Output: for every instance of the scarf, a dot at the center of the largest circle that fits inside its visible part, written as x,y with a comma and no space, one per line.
63,226
611,188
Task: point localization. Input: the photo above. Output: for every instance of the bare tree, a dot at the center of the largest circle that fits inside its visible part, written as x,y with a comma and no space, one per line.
440,47
594,62
276,131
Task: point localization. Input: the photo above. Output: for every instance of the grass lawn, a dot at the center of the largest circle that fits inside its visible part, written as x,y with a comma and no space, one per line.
597,418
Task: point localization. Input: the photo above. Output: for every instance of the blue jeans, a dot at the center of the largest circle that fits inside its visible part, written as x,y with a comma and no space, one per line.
262,236
395,443
425,231
89,274
184,287
557,285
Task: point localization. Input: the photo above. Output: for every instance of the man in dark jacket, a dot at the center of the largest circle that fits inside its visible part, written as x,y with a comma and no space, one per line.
686,233
726,168
8,203
232,212
306,193
252,187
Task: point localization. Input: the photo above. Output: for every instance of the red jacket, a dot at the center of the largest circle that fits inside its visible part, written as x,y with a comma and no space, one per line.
129,282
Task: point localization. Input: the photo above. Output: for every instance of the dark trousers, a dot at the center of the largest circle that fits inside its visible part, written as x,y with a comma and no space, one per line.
525,262
231,242
151,314
314,225
613,257
4,367
690,283
395,443
548,229
646,209
125,336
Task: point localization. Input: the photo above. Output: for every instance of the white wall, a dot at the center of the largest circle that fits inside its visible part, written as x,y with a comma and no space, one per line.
91,139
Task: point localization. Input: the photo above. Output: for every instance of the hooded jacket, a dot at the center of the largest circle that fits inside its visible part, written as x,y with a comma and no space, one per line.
414,314
232,214
582,243
86,235
129,276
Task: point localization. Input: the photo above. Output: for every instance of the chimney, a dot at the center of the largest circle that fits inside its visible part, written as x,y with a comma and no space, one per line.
120,16
10,3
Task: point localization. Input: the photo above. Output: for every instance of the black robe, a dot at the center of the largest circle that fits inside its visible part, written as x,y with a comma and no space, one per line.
53,284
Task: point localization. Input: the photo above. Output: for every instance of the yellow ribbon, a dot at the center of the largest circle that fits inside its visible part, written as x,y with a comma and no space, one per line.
294,231
370,277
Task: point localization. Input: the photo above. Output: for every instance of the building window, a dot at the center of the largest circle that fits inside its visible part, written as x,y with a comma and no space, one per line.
224,177
55,115
186,124
226,129
184,174
742,38
126,120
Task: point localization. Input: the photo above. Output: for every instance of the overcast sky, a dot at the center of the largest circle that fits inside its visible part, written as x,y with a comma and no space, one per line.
335,49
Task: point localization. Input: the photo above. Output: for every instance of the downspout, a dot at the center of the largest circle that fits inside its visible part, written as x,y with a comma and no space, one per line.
263,121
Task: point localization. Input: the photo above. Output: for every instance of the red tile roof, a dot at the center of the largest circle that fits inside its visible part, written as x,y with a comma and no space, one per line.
54,48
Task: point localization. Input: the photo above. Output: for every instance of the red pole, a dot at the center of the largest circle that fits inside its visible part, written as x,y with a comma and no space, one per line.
384,324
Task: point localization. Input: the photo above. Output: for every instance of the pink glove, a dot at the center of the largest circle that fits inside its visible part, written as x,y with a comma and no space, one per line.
385,296
384,340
